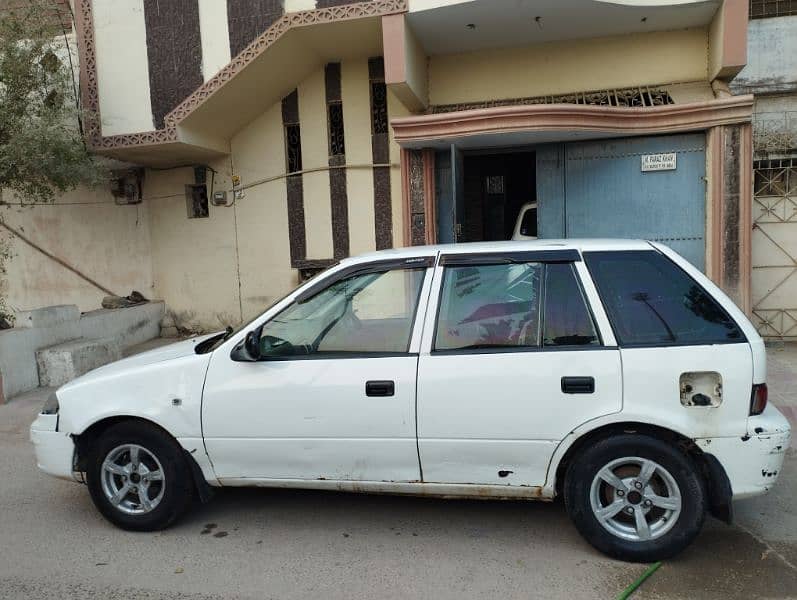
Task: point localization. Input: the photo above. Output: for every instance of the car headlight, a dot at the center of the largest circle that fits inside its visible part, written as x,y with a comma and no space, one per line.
51,406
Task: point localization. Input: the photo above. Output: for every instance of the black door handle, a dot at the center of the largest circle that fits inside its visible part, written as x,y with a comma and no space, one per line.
380,388
578,385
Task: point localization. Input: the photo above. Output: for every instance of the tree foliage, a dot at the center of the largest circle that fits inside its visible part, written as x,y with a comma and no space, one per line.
42,152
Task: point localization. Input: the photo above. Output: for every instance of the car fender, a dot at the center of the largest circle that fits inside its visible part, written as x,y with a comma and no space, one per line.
661,420
167,393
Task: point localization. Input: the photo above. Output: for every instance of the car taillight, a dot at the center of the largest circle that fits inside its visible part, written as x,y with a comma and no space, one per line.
758,399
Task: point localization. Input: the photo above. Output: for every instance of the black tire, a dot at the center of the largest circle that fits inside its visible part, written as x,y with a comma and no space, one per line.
178,486
583,470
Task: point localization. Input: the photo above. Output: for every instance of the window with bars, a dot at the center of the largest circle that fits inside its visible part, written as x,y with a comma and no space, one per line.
337,144
293,147
378,106
762,9
495,184
776,178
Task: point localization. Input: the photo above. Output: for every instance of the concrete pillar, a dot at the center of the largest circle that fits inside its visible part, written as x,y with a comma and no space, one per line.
729,226
417,186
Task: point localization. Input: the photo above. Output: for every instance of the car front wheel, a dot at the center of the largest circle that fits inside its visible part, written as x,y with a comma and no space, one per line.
138,477
635,497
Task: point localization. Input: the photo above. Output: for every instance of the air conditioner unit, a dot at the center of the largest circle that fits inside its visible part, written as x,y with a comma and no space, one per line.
126,186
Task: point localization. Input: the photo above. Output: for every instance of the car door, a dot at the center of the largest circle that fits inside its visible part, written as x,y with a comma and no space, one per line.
333,396
512,360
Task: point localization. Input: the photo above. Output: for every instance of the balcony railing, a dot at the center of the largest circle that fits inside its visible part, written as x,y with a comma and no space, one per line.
763,9
775,132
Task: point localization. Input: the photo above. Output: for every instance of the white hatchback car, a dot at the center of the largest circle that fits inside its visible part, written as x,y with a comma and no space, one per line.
612,373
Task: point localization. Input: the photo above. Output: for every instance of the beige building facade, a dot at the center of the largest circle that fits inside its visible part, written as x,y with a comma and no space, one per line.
258,142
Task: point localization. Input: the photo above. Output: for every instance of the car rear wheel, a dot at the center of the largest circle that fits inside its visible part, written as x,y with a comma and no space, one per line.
138,477
635,497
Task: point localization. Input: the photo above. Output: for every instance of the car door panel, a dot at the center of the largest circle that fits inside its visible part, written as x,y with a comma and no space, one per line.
333,394
311,419
480,415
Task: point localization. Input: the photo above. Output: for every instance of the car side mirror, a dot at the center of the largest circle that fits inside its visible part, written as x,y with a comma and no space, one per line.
249,349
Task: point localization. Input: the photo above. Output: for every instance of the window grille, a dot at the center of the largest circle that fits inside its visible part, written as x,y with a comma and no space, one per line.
763,9
337,144
775,262
495,184
775,132
631,97
777,178
293,147
379,106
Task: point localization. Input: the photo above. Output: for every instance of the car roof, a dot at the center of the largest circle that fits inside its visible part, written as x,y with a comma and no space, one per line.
581,245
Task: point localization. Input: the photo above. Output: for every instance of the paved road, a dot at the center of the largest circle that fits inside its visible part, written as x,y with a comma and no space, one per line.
295,544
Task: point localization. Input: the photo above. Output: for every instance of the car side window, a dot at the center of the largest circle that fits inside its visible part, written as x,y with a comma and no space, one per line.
651,301
567,321
366,313
489,306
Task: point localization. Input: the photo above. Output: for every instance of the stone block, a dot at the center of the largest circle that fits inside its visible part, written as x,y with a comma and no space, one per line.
169,332
64,362
49,316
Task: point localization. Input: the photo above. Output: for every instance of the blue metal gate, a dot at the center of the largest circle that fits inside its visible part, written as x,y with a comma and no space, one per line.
598,189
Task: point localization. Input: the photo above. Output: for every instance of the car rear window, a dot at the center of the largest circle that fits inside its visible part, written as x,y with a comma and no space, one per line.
651,301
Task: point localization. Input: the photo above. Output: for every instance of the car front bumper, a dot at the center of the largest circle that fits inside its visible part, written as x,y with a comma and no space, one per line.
752,462
55,451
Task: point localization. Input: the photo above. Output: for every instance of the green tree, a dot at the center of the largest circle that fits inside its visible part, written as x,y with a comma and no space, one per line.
42,152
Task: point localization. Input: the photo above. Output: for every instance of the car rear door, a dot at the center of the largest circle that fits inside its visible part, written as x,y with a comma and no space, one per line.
515,355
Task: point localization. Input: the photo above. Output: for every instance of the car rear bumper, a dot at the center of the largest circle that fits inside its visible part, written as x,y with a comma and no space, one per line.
55,450
752,462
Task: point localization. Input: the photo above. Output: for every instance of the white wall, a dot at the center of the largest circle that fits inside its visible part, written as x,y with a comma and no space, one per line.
109,243
771,57
315,154
297,5
122,69
215,36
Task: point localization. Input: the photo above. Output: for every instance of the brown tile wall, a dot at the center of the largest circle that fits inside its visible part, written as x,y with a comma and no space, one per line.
380,151
174,53
247,19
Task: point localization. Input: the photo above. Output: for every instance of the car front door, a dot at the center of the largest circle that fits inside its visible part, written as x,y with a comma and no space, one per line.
333,394
512,361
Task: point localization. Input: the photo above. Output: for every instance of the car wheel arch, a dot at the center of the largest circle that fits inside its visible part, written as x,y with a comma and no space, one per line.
85,439
90,434
713,472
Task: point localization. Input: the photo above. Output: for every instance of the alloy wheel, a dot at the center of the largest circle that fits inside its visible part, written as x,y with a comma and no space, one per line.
635,499
133,479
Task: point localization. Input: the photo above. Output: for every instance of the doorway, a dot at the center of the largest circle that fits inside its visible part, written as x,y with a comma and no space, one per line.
479,195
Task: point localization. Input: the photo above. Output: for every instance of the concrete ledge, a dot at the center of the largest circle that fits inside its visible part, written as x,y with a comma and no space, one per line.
128,326
64,362
49,316
18,346
18,354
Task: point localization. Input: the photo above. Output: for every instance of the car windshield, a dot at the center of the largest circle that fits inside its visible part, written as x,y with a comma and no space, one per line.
210,344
